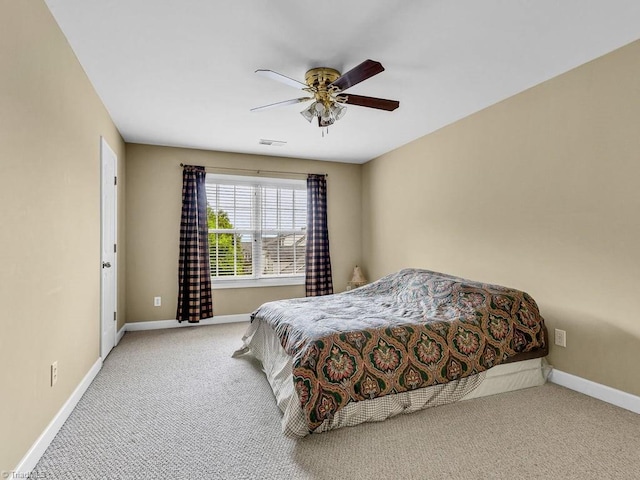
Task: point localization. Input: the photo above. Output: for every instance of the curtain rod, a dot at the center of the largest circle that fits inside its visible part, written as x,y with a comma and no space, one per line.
258,172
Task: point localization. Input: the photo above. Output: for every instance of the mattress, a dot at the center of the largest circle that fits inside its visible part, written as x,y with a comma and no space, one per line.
261,342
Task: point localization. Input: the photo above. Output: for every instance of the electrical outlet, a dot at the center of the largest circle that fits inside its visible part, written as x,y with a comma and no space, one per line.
157,301
54,373
561,338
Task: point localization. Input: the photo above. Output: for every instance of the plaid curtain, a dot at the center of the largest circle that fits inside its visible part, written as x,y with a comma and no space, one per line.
194,275
318,261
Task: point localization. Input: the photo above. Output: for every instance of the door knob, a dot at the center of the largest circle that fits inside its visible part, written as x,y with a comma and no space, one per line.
106,264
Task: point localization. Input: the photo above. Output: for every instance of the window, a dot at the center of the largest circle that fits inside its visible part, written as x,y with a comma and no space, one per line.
257,230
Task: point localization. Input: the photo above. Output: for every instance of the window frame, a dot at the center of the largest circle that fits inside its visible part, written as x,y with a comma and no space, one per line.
256,280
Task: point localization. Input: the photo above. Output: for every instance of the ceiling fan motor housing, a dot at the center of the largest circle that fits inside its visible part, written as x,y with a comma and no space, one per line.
319,81
321,77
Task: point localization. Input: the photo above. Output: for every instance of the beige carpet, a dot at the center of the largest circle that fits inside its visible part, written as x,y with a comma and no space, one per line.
174,404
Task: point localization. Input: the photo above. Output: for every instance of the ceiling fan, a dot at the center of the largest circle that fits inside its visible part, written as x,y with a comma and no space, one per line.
327,89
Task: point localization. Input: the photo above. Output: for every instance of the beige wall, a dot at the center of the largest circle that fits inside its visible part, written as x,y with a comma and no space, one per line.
51,121
538,192
154,186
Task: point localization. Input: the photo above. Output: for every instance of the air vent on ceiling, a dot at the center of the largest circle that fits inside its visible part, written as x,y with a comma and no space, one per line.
272,143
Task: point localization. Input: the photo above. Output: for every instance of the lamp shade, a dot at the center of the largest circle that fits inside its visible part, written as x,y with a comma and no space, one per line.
309,112
327,111
338,111
357,278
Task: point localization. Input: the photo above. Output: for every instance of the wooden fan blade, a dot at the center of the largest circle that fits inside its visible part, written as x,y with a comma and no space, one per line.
366,69
281,104
281,78
372,102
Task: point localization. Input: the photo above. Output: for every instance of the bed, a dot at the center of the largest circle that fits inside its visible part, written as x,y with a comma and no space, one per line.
411,340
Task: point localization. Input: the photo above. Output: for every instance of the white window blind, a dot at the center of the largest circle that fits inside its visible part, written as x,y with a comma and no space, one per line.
257,228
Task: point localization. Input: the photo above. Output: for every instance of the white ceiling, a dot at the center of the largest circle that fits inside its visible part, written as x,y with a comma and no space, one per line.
180,73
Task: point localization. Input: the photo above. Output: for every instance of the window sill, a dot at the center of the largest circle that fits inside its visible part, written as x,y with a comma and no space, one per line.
250,283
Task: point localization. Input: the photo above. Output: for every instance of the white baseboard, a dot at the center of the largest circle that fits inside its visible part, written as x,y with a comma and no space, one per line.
159,324
121,333
596,390
30,460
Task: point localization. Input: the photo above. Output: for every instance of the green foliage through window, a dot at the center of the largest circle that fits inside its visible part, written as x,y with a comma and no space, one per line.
227,256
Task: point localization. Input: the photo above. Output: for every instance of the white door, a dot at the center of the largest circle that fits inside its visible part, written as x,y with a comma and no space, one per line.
108,296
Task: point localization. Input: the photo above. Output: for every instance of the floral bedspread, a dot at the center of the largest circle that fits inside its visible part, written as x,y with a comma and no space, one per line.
408,330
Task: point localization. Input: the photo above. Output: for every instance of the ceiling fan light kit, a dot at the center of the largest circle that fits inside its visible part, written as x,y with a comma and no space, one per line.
326,85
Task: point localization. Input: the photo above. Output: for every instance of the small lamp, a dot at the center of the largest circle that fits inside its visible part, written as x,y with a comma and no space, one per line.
357,279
